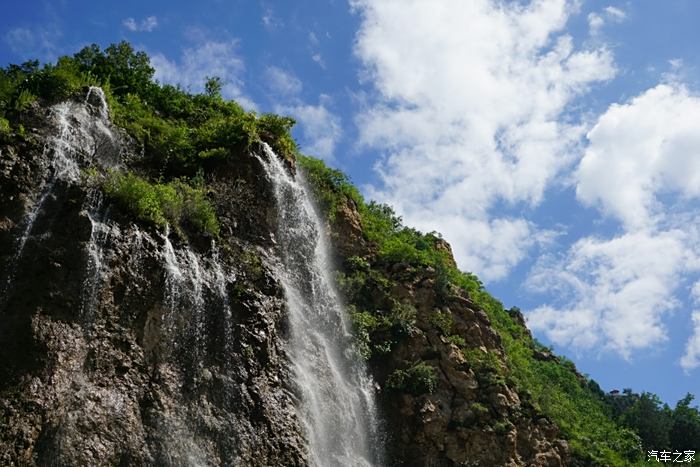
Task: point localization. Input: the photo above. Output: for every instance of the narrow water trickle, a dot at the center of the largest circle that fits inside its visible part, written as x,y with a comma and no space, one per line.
337,405
220,280
80,139
185,283
99,235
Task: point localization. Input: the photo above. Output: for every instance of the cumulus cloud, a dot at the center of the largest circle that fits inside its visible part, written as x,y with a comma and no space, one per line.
469,110
205,59
36,42
691,358
641,167
640,150
610,14
145,25
321,128
283,82
613,293
269,20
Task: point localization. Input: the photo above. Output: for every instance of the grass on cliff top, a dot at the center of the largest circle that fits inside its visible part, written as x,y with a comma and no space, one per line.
553,386
181,134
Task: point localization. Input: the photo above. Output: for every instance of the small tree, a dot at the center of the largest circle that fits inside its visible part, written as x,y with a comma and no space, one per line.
213,86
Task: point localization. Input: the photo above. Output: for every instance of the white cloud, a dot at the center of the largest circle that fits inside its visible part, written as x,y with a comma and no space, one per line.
313,39
283,82
37,42
596,21
318,58
639,150
615,13
613,293
469,110
320,127
207,58
691,358
641,166
145,25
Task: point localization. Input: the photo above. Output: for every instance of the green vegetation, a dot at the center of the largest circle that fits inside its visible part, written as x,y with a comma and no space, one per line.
658,426
419,378
441,320
175,203
185,136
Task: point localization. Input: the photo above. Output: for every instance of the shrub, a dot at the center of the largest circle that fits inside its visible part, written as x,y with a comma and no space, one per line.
5,129
419,378
442,320
174,203
457,340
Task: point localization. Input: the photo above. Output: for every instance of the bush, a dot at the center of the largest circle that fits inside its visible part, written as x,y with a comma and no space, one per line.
419,378
175,203
442,320
5,129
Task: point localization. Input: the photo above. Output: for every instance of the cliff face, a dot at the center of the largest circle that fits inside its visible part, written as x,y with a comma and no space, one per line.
120,346
124,345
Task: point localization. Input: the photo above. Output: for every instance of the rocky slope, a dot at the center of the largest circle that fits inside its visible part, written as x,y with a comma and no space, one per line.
470,416
125,345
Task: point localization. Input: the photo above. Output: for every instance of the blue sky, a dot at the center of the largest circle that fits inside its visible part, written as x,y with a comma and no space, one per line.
554,143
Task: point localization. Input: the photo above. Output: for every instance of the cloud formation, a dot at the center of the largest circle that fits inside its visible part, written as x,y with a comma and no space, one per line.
470,110
639,150
614,293
36,42
641,167
282,82
205,59
145,25
609,14
321,128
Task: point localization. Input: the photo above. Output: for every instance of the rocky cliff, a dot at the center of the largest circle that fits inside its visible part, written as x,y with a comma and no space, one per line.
126,344
121,344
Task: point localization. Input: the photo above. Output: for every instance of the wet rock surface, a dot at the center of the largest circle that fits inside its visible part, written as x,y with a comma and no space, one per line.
104,360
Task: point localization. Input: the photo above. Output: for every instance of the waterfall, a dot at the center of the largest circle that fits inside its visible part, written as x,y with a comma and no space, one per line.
189,280
337,405
100,230
79,133
80,138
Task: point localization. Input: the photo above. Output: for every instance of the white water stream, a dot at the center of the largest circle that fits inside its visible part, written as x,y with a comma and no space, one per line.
337,405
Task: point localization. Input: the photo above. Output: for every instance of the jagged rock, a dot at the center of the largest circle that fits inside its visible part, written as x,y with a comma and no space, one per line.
106,360
112,379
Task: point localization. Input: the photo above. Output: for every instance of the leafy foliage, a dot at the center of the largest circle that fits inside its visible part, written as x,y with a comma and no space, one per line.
419,378
175,203
181,134
658,426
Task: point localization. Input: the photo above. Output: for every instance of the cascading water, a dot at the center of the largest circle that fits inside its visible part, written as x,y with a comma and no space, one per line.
79,137
337,401
84,135
99,234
